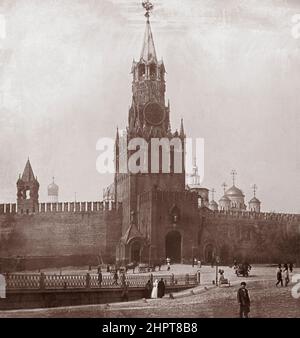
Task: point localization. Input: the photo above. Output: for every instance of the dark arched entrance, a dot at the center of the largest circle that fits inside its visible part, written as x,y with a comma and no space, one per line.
173,246
135,254
209,253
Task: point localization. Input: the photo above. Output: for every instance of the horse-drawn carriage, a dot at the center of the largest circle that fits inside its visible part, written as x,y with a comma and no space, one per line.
242,269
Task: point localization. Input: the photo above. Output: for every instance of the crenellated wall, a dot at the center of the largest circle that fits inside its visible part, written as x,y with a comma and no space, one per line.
257,237
280,217
64,207
60,230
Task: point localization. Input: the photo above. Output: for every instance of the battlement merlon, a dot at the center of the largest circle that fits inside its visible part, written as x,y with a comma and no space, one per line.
279,217
66,207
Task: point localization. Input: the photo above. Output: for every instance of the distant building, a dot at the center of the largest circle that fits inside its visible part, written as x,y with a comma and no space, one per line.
53,190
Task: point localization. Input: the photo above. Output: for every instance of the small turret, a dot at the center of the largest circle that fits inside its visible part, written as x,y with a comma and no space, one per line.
27,191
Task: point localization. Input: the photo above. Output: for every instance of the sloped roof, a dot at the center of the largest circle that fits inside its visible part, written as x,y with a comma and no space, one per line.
28,175
132,232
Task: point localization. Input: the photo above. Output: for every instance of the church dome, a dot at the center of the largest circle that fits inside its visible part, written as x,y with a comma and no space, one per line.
213,205
254,200
234,192
224,199
53,189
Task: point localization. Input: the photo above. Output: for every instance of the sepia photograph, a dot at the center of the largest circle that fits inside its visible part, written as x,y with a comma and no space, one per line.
150,161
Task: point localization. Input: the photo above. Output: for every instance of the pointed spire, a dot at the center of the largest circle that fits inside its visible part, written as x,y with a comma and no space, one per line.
148,52
117,136
28,175
181,129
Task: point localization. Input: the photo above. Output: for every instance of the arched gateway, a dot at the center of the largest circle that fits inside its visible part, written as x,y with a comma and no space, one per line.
173,246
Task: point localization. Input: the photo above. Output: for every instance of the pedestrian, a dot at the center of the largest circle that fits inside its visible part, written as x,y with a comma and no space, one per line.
125,292
123,278
168,266
291,266
199,264
286,275
148,289
279,275
116,277
243,300
161,288
99,278
154,292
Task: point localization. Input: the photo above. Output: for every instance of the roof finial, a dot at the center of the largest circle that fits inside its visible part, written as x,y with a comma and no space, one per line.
233,174
148,7
254,187
224,186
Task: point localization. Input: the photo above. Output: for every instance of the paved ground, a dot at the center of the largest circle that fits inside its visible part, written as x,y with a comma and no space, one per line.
208,301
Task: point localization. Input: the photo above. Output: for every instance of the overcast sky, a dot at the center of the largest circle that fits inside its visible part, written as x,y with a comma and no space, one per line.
233,75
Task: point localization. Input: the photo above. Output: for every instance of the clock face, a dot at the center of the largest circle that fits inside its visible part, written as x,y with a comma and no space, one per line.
154,114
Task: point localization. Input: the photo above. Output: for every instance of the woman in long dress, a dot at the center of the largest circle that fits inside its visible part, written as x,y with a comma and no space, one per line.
155,289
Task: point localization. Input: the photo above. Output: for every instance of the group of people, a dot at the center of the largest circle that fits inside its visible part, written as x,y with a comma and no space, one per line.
196,262
155,290
283,273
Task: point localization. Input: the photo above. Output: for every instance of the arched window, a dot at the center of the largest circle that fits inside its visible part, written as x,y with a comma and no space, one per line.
142,70
152,70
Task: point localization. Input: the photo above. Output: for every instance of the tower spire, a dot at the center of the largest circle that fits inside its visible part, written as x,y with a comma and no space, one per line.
148,52
181,129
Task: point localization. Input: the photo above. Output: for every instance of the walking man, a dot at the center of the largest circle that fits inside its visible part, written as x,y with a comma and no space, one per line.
286,274
279,276
116,277
244,300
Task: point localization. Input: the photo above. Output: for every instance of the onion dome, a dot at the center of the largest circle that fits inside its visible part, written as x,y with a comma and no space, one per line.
234,192
213,205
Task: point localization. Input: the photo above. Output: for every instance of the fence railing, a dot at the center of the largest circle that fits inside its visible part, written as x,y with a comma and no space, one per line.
91,281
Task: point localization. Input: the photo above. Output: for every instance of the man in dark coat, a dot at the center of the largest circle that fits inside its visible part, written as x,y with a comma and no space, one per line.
279,276
148,289
161,288
244,300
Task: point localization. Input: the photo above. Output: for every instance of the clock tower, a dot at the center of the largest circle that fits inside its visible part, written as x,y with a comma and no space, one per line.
148,120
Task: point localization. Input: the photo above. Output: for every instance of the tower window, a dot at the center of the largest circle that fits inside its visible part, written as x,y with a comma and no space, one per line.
152,70
27,194
142,70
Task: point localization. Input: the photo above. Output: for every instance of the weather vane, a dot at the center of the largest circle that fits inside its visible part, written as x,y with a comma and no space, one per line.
148,7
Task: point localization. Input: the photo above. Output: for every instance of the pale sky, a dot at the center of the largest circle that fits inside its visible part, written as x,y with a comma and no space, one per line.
232,73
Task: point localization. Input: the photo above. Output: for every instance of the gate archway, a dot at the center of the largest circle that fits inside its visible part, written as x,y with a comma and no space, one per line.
173,246
209,253
135,252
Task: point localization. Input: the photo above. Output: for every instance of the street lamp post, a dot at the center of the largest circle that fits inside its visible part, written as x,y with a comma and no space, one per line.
217,262
149,263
